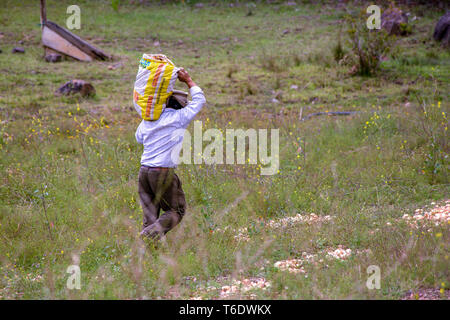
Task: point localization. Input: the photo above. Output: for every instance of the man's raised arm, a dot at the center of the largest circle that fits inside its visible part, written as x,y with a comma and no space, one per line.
188,113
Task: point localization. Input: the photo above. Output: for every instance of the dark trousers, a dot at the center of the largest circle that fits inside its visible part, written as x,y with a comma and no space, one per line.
160,188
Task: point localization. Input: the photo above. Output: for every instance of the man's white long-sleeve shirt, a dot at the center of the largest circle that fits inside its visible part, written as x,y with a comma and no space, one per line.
158,136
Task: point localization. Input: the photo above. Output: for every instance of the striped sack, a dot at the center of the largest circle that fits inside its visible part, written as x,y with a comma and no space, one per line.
154,85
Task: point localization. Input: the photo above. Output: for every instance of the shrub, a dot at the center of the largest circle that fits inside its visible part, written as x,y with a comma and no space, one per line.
274,62
434,124
338,49
368,47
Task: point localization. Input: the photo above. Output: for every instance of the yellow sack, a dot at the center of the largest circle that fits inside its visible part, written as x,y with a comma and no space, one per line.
154,85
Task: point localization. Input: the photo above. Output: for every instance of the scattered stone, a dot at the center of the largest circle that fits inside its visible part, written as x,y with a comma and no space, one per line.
290,265
232,287
395,21
298,265
353,70
340,253
294,87
242,286
115,66
53,57
76,86
299,218
156,43
427,294
286,31
439,215
18,50
241,234
442,30
199,5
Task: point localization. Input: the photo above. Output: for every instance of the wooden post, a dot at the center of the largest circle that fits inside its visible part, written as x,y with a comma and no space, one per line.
65,42
43,21
43,13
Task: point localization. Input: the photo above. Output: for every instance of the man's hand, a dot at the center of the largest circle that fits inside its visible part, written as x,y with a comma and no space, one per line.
184,76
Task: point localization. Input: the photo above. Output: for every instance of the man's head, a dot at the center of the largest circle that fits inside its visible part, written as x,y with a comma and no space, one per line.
177,100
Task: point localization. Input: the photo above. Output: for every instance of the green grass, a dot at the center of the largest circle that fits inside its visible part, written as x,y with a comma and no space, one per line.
70,192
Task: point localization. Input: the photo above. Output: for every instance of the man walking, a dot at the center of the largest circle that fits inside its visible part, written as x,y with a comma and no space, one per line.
159,186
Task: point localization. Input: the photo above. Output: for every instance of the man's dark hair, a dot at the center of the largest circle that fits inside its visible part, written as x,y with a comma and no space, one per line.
173,103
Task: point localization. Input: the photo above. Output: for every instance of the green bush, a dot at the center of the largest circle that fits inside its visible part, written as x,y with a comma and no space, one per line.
368,47
338,49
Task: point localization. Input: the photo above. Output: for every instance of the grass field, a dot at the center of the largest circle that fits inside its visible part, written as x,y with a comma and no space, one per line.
69,165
